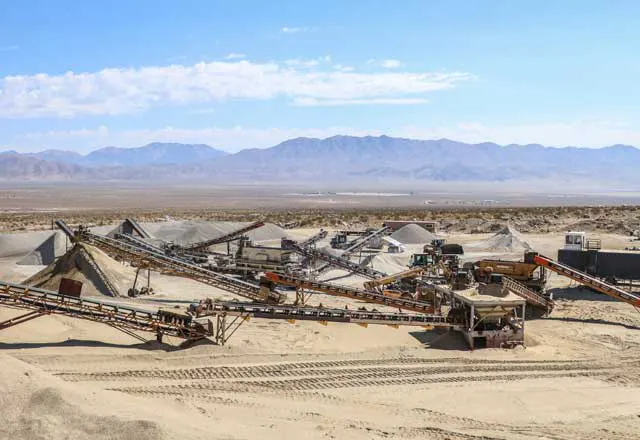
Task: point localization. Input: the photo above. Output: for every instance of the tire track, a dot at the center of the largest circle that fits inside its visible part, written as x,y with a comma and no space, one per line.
309,384
288,369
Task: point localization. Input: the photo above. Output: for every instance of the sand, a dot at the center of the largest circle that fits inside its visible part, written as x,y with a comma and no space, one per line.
46,253
577,378
508,239
413,234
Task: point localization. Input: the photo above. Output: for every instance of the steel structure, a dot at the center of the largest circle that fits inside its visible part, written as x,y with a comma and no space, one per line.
238,312
587,280
313,239
342,263
379,282
233,235
125,318
364,240
527,294
135,226
143,257
350,292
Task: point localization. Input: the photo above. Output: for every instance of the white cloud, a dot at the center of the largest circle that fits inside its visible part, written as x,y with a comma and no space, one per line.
391,64
127,90
579,133
294,30
308,102
235,56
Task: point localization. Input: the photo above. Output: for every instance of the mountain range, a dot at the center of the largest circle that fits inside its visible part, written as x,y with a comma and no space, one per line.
335,159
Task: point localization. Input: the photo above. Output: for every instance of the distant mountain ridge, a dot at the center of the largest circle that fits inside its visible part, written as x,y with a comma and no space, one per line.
156,153
335,159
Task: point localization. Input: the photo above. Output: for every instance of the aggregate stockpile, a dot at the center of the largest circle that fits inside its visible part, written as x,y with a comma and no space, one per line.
508,239
99,273
46,252
413,234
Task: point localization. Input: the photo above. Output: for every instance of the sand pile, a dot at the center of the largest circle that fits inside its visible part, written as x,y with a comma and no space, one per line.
505,240
46,253
413,234
99,273
20,244
38,405
185,233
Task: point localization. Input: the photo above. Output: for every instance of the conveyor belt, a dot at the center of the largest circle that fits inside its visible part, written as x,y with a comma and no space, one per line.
136,227
313,239
66,229
123,317
317,314
225,238
339,262
175,266
527,294
587,280
350,292
410,273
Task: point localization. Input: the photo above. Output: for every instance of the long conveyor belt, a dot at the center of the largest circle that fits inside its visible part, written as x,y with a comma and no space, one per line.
588,280
350,292
175,266
339,262
225,238
126,318
317,314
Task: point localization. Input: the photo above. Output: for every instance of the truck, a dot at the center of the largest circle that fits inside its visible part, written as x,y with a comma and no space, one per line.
586,255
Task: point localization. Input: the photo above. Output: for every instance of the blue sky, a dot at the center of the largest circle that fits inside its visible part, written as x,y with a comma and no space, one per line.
80,75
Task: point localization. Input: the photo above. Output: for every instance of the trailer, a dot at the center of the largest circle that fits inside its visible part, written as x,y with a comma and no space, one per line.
586,255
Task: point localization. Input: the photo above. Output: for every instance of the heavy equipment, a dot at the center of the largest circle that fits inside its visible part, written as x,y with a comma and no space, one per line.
588,280
526,272
128,319
586,255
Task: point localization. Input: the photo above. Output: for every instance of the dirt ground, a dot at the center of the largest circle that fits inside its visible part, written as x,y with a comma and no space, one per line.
577,377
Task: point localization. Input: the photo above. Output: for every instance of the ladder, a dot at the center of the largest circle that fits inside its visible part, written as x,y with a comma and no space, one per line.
350,292
529,295
587,280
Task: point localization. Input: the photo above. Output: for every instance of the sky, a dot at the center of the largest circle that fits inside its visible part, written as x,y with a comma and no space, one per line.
234,74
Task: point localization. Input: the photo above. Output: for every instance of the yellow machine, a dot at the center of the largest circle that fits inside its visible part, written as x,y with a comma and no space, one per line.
526,272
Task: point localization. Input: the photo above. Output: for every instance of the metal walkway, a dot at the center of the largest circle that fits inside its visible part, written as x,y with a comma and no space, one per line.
350,292
587,280
44,302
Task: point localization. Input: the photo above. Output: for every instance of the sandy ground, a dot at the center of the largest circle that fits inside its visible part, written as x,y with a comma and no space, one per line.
577,378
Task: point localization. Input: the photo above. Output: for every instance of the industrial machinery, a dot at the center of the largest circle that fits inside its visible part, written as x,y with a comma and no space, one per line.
526,272
122,317
587,280
587,255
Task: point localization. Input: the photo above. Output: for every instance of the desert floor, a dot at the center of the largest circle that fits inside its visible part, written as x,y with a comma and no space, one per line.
577,377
